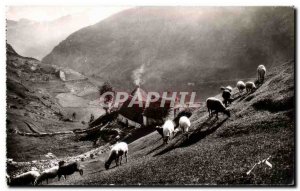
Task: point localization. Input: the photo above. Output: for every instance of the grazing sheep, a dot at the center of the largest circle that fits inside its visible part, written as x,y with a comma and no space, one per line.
241,86
261,72
250,87
115,153
214,104
168,130
184,124
26,178
226,97
46,174
68,169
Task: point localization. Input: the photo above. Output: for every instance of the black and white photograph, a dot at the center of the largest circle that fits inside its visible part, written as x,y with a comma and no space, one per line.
150,96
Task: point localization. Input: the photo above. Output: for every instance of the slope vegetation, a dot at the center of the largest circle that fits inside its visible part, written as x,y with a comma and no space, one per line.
33,109
217,151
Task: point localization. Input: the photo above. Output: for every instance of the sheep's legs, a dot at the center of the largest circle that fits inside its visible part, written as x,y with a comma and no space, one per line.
121,160
126,156
117,161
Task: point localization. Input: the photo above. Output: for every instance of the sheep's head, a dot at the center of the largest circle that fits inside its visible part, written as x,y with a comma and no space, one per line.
80,171
166,139
159,129
60,163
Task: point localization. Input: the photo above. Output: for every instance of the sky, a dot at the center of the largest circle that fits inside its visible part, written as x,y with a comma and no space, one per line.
49,13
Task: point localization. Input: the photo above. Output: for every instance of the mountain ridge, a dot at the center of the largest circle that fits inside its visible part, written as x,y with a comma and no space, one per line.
205,42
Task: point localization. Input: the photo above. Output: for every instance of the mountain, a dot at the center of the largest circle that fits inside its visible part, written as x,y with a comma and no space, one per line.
36,97
37,39
44,110
218,151
180,48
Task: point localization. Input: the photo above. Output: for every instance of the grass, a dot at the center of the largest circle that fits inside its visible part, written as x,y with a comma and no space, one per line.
217,152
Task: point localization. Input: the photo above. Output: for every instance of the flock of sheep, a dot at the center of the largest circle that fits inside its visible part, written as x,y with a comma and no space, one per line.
214,105
167,130
33,177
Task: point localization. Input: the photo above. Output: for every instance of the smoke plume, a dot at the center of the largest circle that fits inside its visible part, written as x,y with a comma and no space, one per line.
137,75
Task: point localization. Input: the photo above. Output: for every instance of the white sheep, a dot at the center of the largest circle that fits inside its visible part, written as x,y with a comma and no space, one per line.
46,174
68,169
241,86
250,87
26,178
214,104
115,153
168,130
184,124
261,72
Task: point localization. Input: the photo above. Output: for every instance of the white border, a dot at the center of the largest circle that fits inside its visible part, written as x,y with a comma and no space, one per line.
5,3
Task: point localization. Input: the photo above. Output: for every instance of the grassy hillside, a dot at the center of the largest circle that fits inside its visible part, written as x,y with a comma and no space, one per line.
213,45
39,115
32,108
217,151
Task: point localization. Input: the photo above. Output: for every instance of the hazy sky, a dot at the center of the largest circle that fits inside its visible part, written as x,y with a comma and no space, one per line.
48,13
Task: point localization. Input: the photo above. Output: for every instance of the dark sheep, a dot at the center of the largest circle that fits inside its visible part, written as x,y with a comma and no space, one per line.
227,97
214,104
68,169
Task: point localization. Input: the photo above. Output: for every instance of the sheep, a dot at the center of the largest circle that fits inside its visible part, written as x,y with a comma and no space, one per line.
214,104
115,153
261,72
250,86
46,174
26,178
168,130
241,86
226,97
184,124
68,169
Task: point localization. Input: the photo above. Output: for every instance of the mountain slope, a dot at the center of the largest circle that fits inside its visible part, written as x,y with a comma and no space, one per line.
159,43
32,108
43,111
217,151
